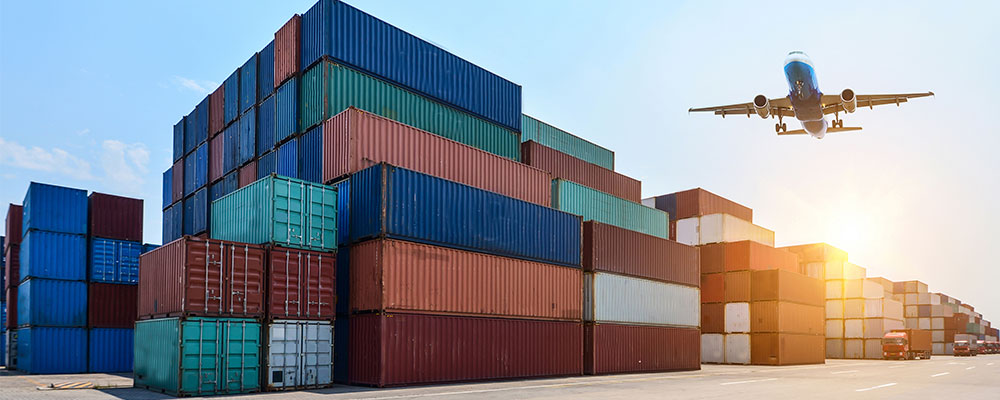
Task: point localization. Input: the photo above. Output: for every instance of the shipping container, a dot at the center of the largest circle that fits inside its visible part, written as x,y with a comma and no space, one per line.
287,163
599,206
786,317
216,110
697,202
12,309
173,221
713,348
200,176
299,354
311,155
192,357
628,300
53,255
248,84
612,249
230,148
355,139
817,252
50,302
786,349
177,186
216,157
12,270
55,209
398,276
199,277
11,339
301,284
843,270
232,104
337,30
834,328
312,97
557,139
13,224
195,213
786,286
196,126
737,286
248,137
713,288
402,349
265,71
286,111
737,348
115,217
265,125
189,173
47,350
279,210
404,204
247,174
745,255
343,212
614,348
179,140
112,305
720,228
114,261
110,350
737,318
267,164
286,50
168,180
713,317
565,166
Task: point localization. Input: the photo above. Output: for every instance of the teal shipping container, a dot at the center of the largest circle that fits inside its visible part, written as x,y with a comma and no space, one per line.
548,135
278,210
198,356
595,205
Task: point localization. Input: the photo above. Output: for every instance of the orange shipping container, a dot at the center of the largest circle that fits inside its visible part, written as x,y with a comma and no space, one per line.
784,317
713,318
786,349
746,256
713,288
787,286
737,286
817,252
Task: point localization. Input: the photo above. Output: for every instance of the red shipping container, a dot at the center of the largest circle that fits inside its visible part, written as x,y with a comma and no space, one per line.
198,277
301,284
216,147
612,249
286,50
404,349
394,275
614,349
111,305
354,140
713,288
177,175
565,166
216,110
115,217
12,271
696,202
12,307
713,318
15,215
248,173
746,256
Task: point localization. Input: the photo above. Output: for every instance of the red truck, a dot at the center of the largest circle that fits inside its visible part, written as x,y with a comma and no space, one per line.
964,348
907,344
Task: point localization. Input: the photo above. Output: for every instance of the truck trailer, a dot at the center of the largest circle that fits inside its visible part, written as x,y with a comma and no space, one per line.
907,344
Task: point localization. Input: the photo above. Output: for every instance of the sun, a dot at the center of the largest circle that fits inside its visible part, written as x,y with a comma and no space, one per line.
852,230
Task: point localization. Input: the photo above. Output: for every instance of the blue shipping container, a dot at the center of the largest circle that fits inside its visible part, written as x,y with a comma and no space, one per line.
173,222
265,125
404,204
341,349
201,166
231,148
343,277
265,71
168,180
267,164
190,131
188,216
286,114
311,155
217,190
350,36
248,133
231,98
3,344
343,211
189,172
114,261
288,160
43,350
248,84
110,350
53,255
148,247
54,208
52,302
201,124
179,139
200,211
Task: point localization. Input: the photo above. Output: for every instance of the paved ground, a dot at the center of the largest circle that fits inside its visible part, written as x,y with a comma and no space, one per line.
938,378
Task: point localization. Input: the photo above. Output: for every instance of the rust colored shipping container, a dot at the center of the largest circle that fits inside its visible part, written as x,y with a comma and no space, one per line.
612,249
565,166
177,175
949,335
787,349
248,173
286,50
301,284
111,305
354,140
957,322
614,349
713,288
713,257
393,275
216,154
12,307
785,317
12,271
787,286
115,217
737,286
197,277
816,252
15,215
216,109
697,202
713,318
402,349
746,256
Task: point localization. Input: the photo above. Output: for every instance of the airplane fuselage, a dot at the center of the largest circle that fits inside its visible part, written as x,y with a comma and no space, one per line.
804,93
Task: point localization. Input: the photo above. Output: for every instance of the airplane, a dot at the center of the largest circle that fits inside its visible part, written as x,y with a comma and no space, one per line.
807,104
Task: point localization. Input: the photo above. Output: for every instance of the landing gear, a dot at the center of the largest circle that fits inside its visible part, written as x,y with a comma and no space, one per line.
837,122
780,126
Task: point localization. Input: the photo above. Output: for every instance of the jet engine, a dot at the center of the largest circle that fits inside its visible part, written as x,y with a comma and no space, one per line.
848,100
762,106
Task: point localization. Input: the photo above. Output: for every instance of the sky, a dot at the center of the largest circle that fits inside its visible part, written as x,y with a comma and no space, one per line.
89,92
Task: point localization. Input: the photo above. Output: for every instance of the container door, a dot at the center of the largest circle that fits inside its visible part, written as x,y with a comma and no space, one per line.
317,353
217,258
283,355
245,279
289,213
240,354
322,217
201,356
286,277
129,261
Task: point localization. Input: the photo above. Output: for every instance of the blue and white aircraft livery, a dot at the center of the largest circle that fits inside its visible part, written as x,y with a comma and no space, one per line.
807,104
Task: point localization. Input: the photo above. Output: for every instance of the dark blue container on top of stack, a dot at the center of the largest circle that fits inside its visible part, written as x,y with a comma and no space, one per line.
114,261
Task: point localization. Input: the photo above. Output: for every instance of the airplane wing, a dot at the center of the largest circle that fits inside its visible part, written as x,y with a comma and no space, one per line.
831,102
828,130
780,106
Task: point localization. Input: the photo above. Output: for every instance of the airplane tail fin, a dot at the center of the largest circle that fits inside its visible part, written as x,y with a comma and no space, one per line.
828,130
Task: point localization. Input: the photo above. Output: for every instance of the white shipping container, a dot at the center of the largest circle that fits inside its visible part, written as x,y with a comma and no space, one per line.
852,288
911,299
299,354
874,308
738,348
935,299
834,309
937,336
835,328
815,270
737,318
625,299
872,290
835,289
912,323
949,349
873,349
854,328
834,348
924,298
854,349
899,297
892,309
937,323
924,323
720,228
876,328
912,312
937,349
854,308
713,348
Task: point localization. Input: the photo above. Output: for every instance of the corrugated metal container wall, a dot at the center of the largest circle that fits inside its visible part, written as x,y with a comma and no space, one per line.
115,217
786,317
624,299
193,276
614,349
231,148
199,208
713,288
248,173
565,166
612,249
201,167
286,50
248,84
201,124
53,255
216,110
265,125
190,131
713,317
45,350
12,310
398,349
279,210
311,155
111,305
599,206
50,302
786,349
786,286
565,142
13,224
721,228
170,230
392,275
12,271
189,173
190,357
335,29
404,204
267,164
286,110
248,137
354,139
737,285
696,202
265,71
216,157
288,160
110,350
299,354
746,256
301,284
179,139
177,187
312,92
114,261
347,87
54,208
168,180
232,106
343,212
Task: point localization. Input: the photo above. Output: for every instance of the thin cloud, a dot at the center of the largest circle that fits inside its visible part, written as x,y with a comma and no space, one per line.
200,87
47,160
125,166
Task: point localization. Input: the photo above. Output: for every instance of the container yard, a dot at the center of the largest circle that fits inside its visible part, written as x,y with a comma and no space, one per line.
353,207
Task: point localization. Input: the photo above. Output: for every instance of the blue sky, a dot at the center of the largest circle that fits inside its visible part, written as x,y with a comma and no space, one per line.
89,92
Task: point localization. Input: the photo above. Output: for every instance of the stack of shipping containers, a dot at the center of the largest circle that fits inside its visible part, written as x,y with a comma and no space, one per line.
944,324
859,311
11,255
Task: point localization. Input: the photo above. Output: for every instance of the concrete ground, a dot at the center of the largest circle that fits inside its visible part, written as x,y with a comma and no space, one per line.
942,377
